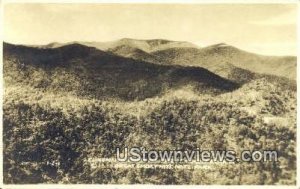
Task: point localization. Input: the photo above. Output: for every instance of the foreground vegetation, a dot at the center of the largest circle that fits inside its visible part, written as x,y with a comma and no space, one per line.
42,128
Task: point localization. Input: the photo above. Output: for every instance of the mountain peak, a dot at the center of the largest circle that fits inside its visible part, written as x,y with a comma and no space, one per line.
151,42
150,45
53,45
222,45
218,45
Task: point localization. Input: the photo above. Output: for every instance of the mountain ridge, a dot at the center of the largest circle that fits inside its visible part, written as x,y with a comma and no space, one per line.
213,57
90,72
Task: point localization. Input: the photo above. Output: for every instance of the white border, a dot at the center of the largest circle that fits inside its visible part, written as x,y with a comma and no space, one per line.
298,95
94,186
1,93
160,1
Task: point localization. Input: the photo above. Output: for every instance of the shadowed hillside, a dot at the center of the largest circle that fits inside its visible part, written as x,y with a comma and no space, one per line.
87,71
214,57
135,53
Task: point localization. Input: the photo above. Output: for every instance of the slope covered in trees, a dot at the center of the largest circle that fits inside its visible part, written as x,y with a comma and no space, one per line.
86,71
67,104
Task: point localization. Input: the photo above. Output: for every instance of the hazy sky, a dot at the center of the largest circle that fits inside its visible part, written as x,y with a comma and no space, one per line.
262,28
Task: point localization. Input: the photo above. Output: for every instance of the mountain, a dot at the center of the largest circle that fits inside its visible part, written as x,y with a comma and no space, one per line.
135,53
144,45
135,69
219,58
216,57
87,71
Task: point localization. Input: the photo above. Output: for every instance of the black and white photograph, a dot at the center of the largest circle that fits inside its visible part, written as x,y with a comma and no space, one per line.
149,93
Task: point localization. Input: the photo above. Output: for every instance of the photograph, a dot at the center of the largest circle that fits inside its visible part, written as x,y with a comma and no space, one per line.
149,93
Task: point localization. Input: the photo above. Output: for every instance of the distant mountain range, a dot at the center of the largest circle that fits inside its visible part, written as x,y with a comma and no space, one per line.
215,58
137,69
144,45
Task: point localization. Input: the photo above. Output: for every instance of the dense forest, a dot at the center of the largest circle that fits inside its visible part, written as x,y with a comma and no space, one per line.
72,103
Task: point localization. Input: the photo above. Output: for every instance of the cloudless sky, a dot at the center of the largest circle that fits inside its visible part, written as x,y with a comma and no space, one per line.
262,28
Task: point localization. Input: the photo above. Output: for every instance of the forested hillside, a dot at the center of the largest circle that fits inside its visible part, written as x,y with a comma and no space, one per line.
71,103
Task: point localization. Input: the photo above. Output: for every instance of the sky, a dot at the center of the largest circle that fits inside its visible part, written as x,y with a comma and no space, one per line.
269,29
